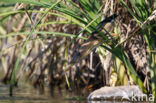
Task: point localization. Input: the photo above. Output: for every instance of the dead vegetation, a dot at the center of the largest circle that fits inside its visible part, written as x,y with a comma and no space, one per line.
48,53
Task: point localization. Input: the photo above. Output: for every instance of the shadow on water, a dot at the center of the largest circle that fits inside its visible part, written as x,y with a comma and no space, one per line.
27,94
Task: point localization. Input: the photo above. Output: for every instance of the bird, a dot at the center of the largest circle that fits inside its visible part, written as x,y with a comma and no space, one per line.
94,40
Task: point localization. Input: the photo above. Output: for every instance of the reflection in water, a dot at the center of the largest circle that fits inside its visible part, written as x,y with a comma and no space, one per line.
26,94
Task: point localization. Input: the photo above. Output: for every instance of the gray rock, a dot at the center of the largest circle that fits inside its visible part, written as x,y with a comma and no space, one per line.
121,93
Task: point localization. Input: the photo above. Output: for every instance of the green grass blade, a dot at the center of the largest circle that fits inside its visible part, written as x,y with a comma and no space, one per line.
22,49
118,52
42,32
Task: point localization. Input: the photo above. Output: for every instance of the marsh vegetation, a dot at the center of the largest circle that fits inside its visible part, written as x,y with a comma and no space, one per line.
48,43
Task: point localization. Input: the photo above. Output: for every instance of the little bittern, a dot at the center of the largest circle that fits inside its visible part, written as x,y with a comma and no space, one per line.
94,40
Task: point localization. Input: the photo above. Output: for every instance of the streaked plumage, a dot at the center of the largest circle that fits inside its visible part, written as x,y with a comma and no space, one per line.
93,41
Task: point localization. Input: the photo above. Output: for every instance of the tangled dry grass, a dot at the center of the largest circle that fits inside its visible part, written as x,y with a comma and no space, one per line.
47,53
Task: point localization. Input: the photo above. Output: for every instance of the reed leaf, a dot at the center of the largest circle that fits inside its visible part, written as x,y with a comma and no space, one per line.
24,45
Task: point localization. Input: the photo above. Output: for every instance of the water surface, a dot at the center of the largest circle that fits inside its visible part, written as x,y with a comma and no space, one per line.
25,93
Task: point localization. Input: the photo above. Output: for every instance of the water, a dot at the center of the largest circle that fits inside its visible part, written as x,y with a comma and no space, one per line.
25,93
